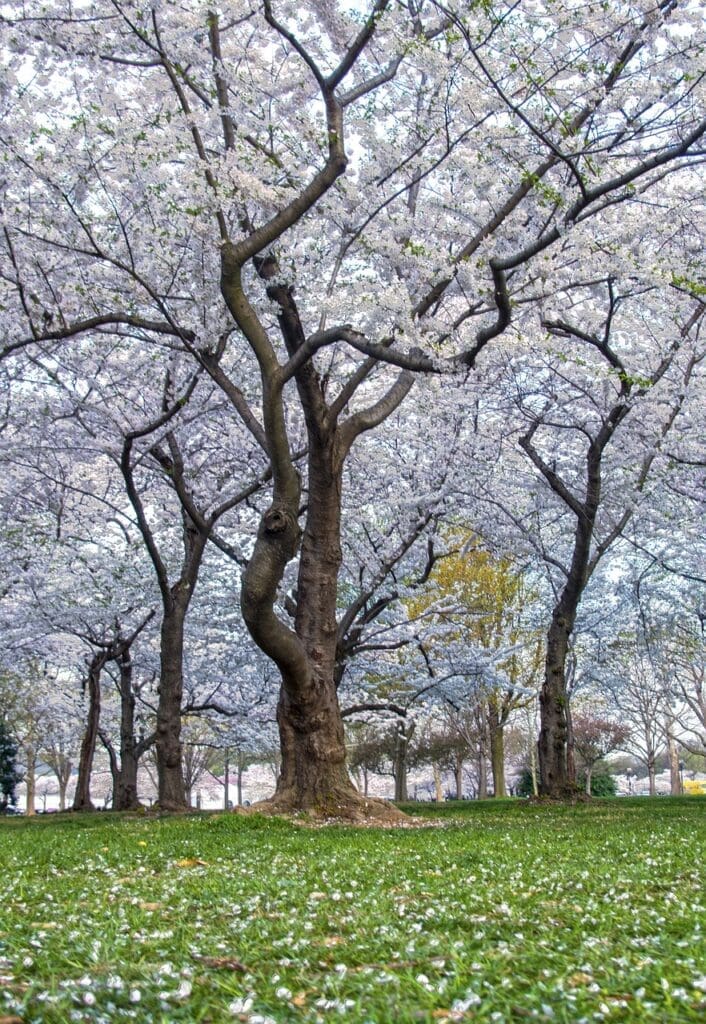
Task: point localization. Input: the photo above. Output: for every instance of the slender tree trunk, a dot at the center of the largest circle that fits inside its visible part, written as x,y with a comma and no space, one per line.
404,735
497,750
82,796
555,770
673,753
589,773
63,785
438,787
531,729
458,775
570,752
482,771
31,778
61,766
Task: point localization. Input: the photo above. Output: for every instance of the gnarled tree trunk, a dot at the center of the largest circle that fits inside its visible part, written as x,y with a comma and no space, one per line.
313,772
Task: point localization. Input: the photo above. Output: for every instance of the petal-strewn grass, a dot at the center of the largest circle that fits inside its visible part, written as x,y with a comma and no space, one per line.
503,912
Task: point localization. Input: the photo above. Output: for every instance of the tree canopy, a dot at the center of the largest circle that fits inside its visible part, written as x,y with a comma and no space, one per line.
285,286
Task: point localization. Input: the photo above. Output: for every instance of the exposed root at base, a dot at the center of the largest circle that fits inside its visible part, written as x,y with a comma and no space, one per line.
345,809
571,797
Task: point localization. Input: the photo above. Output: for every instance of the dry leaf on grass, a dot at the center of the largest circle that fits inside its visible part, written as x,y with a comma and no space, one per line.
227,963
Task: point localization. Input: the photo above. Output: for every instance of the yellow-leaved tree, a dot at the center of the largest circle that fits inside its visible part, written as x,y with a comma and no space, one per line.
481,601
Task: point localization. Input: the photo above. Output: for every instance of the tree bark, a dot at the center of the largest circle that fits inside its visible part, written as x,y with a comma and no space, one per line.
239,784
170,777
497,750
125,796
313,773
555,778
551,746
458,775
82,796
31,778
570,750
438,787
673,753
482,772
402,738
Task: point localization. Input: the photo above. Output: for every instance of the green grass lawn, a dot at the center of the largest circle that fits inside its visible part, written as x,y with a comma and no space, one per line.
502,912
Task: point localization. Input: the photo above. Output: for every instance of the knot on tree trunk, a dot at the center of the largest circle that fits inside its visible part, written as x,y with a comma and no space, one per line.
277,519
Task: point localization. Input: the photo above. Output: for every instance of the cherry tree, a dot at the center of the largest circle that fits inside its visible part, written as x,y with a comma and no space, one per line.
9,775
595,426
415,174
596,737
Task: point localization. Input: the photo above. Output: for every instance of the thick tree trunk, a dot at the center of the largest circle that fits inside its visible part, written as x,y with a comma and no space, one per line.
553,769
82,796
171,790
313,774
125,796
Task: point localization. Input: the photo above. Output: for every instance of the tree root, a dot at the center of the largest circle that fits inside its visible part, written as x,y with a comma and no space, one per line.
346,806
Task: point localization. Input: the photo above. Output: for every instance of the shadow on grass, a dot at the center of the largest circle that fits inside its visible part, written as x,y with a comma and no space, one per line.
513,808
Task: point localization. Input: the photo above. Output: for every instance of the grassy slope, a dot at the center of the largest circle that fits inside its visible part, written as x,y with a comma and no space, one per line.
507,912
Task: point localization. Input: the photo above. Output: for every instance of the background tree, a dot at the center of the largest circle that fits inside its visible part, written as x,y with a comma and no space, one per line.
9,774
594,739
481,601
569,442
